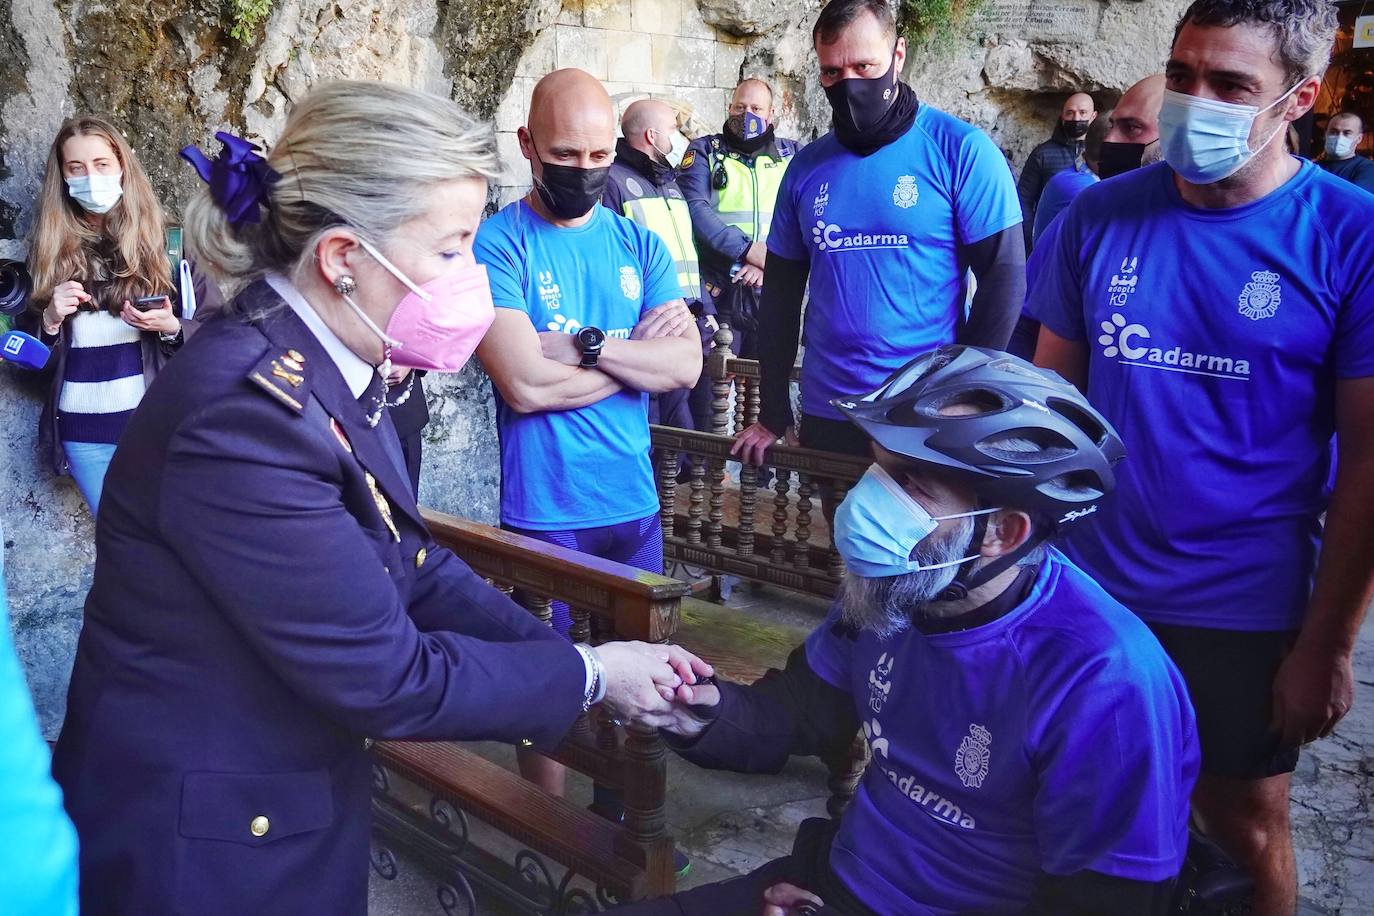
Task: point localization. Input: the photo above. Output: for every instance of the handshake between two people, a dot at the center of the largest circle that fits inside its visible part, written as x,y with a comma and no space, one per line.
659,686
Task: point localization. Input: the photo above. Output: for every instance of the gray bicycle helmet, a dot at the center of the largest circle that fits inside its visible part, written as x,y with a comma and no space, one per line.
1029,440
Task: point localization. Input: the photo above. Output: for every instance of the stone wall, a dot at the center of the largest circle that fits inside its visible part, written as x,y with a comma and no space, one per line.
169,74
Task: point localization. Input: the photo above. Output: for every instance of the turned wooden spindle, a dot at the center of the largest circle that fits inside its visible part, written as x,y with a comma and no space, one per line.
778,554
748,496
716,517
802,554
751,401
540,607
740,386
716,367
667,489
696,505
646,767
835,566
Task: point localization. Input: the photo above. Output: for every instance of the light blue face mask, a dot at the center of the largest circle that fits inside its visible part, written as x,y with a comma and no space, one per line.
879,524
1205,140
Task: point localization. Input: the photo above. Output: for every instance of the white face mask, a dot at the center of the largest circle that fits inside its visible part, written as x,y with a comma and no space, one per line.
96,193
1338,147
1206,141
677,148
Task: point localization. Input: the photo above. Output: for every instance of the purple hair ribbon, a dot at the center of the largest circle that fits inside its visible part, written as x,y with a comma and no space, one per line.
239,178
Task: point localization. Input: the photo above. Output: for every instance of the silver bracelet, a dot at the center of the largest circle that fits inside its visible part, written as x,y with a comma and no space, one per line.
596,690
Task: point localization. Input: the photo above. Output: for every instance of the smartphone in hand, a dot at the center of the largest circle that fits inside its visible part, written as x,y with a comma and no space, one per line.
148,303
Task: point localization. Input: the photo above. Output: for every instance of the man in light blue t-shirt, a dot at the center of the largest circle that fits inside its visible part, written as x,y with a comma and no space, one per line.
590,320
885,216
1218,308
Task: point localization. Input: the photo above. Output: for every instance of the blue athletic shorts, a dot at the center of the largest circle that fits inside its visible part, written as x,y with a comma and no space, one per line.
637,543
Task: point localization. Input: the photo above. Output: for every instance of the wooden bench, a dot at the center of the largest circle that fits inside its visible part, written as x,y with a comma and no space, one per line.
622,861
731,524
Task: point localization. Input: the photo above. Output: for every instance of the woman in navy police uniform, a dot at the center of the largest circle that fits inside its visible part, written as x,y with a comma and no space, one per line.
266,594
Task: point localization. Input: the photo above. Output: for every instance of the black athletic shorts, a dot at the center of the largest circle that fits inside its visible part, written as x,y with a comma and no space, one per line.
834,436
1230,677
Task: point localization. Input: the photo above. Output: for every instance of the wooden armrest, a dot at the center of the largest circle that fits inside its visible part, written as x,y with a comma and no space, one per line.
568,833
828,465
638,604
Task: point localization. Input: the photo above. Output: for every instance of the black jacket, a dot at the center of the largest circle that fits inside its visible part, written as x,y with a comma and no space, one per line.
1048,159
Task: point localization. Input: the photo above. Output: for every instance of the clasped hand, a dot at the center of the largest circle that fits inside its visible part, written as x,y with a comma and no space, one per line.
656,685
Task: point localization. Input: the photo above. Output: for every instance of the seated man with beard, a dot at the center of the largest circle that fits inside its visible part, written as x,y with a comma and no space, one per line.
1033,748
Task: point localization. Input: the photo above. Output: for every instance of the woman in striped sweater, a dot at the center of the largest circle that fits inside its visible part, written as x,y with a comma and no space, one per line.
97,248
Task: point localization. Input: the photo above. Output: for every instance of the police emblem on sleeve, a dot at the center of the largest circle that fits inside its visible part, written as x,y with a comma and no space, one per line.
905,194
971,760
629,282
1261,296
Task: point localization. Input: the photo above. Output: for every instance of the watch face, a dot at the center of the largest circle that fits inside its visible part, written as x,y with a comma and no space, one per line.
591,337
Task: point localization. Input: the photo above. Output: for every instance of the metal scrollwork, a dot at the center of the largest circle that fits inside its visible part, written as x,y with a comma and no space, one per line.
577,901
384,863
457,901
529,867
380,781
452,820
607,897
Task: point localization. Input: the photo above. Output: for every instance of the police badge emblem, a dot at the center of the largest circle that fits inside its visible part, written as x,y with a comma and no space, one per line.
905,194
1261,296
629,282
971,760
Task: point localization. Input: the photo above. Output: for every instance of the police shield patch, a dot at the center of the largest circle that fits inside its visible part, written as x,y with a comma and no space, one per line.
687,160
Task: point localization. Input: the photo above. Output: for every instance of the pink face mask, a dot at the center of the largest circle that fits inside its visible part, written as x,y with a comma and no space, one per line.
436,326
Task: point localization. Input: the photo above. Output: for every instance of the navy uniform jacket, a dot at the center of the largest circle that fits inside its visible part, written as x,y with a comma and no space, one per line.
265,597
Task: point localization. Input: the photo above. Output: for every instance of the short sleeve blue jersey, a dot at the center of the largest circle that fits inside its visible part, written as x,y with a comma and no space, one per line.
882,235
587,467
1216,339
1056,738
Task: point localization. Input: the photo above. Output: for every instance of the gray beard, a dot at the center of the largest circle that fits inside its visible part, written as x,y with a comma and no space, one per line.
884,605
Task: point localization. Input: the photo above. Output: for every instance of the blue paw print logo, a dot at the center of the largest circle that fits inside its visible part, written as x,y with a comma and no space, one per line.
873,733
818,235
1110,330
564,324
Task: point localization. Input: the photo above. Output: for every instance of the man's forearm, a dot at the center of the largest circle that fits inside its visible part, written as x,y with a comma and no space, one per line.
657,365
999,264
558,387
784,286
1345,573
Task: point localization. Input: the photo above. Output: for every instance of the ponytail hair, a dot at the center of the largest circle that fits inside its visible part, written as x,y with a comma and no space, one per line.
362,154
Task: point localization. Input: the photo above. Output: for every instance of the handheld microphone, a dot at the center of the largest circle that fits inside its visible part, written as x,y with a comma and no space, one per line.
24,350
15,286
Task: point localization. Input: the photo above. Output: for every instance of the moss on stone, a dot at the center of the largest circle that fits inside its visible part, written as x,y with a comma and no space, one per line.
481,42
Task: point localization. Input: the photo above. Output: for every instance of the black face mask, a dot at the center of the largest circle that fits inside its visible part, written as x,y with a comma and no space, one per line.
734,135
1075,130
869,114
568,191
1118,158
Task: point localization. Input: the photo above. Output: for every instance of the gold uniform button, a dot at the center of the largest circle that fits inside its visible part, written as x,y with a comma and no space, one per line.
259,826
420,558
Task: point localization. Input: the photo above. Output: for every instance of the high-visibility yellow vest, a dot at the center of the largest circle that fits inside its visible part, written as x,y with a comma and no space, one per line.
747,200
670,220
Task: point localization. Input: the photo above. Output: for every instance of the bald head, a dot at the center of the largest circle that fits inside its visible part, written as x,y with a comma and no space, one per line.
1136,118
647,124
571,120
1078,107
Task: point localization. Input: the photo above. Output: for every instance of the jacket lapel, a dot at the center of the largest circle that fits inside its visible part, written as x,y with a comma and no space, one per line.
284,329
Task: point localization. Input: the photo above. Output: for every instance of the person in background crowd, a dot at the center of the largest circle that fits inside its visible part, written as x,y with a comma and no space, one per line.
590,321
1219,310
1344,134
1032,746
1064,187
884,215
732,180
405,402
643,188
38,878
1059,193
1133,138
106,296
214,753
1061,152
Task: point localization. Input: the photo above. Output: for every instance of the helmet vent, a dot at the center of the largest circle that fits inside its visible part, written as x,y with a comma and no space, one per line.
968,402
1026,446
1076,415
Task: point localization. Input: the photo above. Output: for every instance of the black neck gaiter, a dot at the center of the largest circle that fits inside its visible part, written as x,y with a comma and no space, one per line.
870,114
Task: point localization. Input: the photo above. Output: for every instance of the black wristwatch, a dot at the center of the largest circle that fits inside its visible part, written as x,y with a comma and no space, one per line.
590,341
